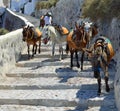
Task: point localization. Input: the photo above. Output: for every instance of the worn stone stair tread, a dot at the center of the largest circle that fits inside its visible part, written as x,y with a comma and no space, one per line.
44,108
33,108
46,62
52,71
48,83
51,83
56,98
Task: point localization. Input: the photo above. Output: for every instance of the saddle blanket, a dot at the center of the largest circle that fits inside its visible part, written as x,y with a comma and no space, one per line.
64,30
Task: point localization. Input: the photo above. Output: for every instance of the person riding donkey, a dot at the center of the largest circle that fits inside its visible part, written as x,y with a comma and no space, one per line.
46,19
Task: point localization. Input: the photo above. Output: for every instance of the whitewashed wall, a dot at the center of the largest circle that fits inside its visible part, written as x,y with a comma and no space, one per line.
11,44
16,5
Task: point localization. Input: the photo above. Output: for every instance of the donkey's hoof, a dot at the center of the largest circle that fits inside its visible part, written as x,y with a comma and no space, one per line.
81,69
78,66
39,51
107,89
98,93
71,66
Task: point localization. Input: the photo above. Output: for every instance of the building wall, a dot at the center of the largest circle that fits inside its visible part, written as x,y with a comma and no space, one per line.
17,5
11,21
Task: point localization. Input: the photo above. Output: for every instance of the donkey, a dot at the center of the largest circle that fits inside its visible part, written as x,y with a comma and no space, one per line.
31,36
101,53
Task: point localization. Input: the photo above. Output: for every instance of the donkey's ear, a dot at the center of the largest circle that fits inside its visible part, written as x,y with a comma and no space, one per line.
28,26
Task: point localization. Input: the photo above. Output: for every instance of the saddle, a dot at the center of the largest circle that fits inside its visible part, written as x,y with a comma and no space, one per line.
78,45
107,46
35,33
62,30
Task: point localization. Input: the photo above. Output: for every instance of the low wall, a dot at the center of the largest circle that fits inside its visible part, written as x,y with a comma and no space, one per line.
11,46
117,81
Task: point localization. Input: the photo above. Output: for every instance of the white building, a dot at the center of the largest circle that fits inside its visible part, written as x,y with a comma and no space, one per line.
24,6
27,6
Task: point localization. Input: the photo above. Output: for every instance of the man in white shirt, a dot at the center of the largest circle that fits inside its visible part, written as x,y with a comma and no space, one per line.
48,19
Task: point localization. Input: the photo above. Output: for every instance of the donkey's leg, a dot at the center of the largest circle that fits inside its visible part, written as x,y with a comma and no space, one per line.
106,83
82,57
28,51
61,51
98,77
71,54
39,49
67,48
53,49
35,48
105,70
106,79
99,85
76,55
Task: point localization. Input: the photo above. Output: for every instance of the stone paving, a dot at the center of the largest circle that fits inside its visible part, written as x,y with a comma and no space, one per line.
45,83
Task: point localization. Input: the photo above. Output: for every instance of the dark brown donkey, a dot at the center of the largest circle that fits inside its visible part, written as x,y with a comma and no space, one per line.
75,42
100,53
31,36
78,39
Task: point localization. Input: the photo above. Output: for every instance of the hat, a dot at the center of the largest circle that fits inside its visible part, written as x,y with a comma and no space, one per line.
49,13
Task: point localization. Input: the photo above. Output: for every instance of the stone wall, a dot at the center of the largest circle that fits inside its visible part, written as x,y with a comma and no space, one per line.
11,46
111,29
117,81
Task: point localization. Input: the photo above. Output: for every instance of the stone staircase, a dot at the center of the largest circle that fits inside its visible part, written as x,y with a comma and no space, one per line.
47,84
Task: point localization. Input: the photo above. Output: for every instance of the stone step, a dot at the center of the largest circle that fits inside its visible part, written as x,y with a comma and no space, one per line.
52,83
61,72
48,83
43,108
33,108
47,62
56,98
39,73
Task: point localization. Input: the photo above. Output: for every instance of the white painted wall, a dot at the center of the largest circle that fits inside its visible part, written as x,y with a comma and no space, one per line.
16,5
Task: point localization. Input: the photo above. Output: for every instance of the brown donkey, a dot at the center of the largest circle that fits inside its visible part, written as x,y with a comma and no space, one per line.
75,42
100,53
31,36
